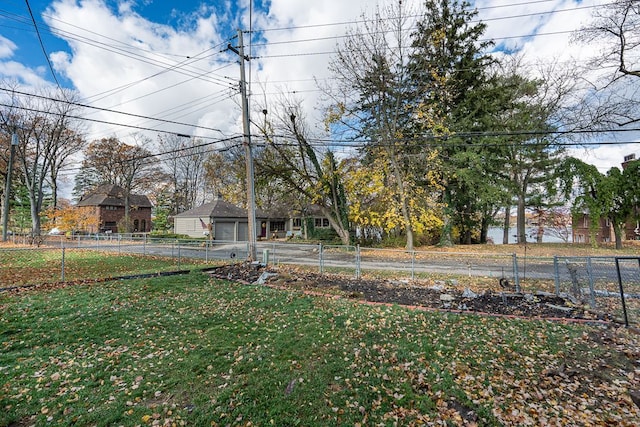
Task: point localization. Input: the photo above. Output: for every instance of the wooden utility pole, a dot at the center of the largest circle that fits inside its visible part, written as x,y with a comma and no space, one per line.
251,195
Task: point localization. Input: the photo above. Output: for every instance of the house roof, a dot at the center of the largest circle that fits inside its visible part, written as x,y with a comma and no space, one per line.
217,209
112,195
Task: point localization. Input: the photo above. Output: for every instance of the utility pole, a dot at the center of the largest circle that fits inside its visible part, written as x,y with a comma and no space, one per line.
251,195
7,188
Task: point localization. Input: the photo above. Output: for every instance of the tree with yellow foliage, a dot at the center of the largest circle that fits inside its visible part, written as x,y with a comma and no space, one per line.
69,219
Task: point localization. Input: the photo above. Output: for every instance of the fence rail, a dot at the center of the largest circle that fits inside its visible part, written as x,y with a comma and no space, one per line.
607,283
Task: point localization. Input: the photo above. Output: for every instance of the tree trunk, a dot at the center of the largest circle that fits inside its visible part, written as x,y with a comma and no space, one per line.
35,215
521,230
445,236
404,205
506,226
127,210
617,231
484,229
54,191
343,233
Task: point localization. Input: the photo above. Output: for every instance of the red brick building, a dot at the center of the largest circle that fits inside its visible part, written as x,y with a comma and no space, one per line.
604,230
106,204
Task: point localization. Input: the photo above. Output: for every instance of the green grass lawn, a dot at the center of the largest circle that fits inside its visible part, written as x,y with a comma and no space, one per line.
187,350
45,265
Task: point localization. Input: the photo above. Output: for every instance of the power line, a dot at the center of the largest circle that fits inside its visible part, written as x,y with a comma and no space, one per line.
220,98
129,52
364,21
485,134
44,51
77,104
35,110
189,152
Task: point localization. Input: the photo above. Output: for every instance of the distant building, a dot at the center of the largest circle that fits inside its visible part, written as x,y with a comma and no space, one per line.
224,221
219,219
106,204
604,232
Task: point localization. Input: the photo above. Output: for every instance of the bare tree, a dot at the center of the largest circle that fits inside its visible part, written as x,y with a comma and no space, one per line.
613,95
371,96
301,167
184,162
225,175
48,137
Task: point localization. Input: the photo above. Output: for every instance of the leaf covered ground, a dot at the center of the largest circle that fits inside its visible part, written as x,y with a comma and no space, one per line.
191,350
428,294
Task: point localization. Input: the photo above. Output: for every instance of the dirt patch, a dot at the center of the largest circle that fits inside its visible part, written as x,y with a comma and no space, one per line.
429,294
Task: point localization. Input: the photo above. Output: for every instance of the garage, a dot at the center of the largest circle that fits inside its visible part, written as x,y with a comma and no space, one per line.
228,222
243,231
225,231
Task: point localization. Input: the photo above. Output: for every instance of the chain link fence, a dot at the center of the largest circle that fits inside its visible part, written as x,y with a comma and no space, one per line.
610,284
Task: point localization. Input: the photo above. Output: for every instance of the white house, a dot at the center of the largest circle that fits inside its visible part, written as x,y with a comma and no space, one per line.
220,219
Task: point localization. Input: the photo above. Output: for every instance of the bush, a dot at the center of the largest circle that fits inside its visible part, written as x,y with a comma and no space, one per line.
163,235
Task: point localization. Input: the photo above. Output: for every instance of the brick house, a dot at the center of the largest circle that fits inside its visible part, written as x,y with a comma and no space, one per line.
106,204
604,232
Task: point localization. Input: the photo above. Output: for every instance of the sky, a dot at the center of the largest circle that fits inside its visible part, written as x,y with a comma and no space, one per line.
168,60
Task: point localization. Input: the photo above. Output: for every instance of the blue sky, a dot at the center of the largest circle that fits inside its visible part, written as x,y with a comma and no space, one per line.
16,24
166,59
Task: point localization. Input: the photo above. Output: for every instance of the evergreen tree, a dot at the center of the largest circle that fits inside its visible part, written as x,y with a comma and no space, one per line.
449,70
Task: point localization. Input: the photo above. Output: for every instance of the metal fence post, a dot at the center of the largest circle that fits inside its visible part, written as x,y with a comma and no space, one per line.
62,265
179,258
274,259
624,304
358,262
516,276
413,265
592,297
206,251
556,274
320,255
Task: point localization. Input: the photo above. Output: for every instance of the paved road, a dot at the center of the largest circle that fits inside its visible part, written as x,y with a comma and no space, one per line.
403,263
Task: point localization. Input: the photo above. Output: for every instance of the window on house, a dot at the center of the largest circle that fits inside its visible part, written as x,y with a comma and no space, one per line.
321,222
277,225
136,225
297,222
585,221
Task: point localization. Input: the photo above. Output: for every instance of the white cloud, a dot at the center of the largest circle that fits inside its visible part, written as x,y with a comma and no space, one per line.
121,60
14,71
7,47
605,157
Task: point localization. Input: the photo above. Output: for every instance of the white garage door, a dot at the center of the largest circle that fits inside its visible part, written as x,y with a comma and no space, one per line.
224,231
243,231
